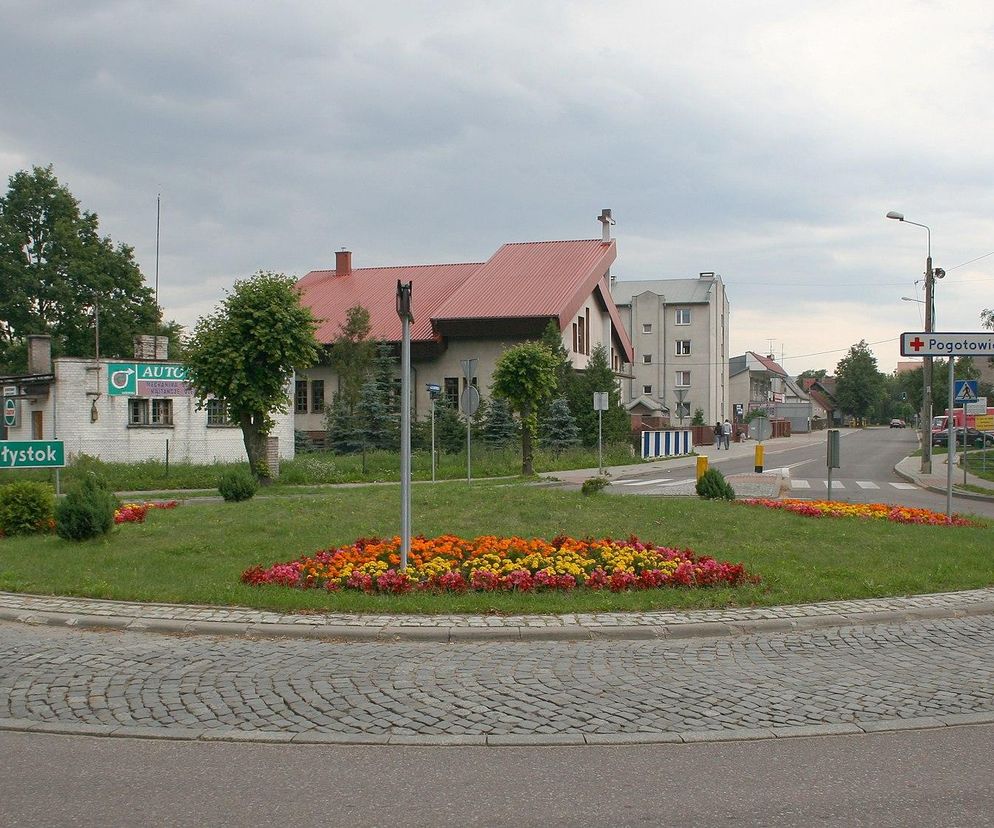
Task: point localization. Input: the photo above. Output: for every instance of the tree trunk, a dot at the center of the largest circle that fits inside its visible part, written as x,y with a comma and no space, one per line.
527,469
255,447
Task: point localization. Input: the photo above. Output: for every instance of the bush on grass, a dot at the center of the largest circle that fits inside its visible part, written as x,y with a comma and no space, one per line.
25,508
592,485
237,484
713,486
87,510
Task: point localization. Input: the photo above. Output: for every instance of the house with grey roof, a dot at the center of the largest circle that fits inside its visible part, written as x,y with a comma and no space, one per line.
679,332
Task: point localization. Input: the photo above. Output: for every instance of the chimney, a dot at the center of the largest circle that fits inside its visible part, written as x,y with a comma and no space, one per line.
39,354
605,219
343,262
708,274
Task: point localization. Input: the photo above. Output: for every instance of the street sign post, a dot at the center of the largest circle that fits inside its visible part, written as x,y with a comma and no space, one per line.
32,454
947,344
601,402
469,402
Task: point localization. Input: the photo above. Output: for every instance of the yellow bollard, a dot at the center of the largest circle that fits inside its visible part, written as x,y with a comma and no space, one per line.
759,458
702,465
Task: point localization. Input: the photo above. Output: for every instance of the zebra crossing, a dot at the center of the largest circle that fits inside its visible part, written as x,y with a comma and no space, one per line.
796,484
801,483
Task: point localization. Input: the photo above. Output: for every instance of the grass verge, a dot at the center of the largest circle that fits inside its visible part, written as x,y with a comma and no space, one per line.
196,553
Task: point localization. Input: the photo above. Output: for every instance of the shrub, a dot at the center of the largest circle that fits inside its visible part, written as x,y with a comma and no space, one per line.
25,508
713,486
237,484
86,511
592,485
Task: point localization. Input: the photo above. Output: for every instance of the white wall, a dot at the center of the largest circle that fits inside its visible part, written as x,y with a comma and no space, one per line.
80,387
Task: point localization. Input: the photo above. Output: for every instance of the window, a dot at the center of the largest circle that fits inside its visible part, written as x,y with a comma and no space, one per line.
646,389
450,390
576,340
646,327
317,396
300,396
581,333
217,413
683,347
150,412
683,316
647,359
682,379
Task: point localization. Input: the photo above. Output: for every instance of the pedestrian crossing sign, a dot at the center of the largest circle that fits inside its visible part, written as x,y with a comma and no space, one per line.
965,391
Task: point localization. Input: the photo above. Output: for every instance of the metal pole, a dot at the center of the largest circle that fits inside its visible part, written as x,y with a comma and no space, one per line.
405,442
951,451
600,442
469,453
432,439
927,365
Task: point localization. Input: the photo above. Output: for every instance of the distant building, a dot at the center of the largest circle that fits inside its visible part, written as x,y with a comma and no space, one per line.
126,410
679,332
467,311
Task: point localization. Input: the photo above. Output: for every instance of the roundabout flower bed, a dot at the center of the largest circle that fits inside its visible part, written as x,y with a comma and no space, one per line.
491,564
873,511
137,512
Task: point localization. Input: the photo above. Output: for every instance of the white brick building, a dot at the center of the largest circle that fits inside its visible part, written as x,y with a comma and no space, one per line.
125,411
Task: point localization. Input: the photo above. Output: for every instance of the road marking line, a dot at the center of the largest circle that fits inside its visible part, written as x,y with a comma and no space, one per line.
904,485
866,484
835,484
645,482
800,484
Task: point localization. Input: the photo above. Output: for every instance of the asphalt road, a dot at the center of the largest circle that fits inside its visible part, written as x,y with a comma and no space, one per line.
866,474
915,778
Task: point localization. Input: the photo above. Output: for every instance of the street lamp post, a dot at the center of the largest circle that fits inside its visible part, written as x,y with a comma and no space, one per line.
926,424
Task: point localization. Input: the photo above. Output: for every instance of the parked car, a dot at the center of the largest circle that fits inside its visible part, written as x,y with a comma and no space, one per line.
896,423
971,437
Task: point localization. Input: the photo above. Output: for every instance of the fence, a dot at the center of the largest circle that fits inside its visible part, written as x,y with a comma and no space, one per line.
669,443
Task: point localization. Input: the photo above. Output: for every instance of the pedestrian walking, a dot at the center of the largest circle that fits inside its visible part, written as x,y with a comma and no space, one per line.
726,432
717,434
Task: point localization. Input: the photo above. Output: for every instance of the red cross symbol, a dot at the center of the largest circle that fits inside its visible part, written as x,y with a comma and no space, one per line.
916,343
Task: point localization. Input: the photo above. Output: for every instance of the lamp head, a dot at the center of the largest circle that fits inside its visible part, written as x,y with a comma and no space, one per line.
939,273
893,214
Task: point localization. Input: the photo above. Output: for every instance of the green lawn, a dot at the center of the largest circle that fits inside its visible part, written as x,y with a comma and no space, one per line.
195,553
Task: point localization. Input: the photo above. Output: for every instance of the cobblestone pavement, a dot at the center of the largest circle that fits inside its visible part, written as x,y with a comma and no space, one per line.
845,679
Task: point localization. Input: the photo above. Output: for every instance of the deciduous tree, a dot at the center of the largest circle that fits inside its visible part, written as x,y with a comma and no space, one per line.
55,269
525,376
246,353
858,383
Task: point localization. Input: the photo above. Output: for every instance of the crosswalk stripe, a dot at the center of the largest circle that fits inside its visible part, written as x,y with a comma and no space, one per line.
904,485
644,482
866,484
801,484
835,484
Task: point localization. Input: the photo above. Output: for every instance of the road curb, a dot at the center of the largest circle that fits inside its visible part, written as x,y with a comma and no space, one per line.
396,631
568,739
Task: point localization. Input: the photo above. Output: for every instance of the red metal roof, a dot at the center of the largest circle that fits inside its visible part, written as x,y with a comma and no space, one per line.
551,278
522,280
769,364
329,296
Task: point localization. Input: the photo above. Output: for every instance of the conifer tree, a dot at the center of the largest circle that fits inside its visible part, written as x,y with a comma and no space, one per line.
558,430
499,428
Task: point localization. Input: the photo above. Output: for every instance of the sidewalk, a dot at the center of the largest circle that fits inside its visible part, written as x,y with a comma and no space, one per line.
910,469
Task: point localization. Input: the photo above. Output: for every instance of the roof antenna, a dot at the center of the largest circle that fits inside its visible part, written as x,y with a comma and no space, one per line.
605,219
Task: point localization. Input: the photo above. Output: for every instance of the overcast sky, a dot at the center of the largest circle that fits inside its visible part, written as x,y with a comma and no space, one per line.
761,140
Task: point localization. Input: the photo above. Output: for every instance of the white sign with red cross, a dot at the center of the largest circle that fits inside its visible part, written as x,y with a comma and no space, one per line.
943,344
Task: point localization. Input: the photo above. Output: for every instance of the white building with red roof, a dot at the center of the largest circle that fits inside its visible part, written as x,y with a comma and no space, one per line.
468,311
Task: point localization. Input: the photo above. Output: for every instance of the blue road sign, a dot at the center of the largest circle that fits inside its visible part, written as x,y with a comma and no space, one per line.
965,391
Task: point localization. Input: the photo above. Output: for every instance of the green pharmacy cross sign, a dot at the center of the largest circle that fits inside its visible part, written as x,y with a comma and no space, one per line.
32,454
